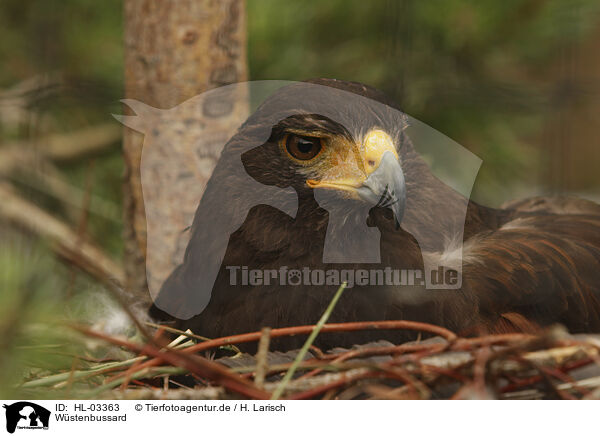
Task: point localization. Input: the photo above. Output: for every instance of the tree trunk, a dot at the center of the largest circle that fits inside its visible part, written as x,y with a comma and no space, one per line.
175,50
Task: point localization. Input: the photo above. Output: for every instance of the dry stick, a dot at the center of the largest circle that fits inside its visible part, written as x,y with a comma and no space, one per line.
392,370
330,361
24,156
176,331
305,395
189,335
78,375
485,355
565,378
329,328
460,344
518,352
372,351
547,378
524,382
16,102
306,364
450,373
383,373
262,362
71,378
135,368
307,329
330,394
48,181
310,364
479,369
60,147
417,386
195,364
127,373
85,142
157,341
469,343
382,392
65,241
317,352
311,338
158,372
35,87
83,220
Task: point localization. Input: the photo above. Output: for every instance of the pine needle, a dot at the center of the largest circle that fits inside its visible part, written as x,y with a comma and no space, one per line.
290,373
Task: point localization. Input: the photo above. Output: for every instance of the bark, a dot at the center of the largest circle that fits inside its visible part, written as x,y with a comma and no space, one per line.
175,50
569,145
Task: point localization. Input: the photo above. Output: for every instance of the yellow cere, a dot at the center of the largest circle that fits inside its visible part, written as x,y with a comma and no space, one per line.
376,143
348,165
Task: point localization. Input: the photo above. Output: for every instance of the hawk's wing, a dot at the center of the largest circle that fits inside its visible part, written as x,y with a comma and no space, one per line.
543,267
561,205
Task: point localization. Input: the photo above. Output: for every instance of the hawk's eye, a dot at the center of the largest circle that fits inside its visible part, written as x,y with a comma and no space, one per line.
303,147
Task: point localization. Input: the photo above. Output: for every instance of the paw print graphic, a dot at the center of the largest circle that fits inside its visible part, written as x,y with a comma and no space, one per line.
294,277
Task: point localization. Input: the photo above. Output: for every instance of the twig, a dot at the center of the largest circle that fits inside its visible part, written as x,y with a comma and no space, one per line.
189,335
195,364
78,375
375,351
15,101
48,181
341,381
413,384
307,329
329,328
470,343
145,373
65,241
517,384
59,147
262,362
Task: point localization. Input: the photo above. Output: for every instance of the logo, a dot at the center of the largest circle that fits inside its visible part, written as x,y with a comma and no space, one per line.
26,415
209,184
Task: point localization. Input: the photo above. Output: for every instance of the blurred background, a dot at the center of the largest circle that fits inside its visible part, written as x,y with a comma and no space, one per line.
516,82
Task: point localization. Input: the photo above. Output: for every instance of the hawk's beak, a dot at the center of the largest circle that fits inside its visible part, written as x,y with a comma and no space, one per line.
385,187
375,176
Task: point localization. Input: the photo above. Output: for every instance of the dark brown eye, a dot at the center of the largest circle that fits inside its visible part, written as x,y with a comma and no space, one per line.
303,147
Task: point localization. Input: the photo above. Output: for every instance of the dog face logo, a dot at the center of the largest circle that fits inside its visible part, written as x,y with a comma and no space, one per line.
26,415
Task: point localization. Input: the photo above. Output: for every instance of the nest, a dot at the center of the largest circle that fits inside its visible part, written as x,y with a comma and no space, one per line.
550,365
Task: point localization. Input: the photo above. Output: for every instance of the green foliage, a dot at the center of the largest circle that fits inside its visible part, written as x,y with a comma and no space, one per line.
478,71
82,38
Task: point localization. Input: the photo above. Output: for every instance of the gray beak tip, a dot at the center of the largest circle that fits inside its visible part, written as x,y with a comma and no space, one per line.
386,187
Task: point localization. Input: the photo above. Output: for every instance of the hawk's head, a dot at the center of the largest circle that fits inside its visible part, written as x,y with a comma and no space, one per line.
333,140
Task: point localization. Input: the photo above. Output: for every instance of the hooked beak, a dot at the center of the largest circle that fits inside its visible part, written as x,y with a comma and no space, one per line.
381,181
386,187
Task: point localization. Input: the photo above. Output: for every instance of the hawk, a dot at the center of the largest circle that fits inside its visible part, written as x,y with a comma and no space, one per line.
341,148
